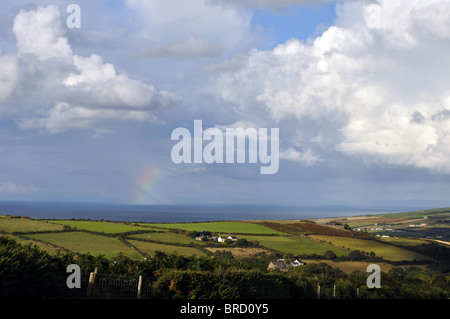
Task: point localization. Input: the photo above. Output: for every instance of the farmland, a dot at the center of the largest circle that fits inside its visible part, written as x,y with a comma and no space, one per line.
80,242
388,252
236,227
301,238
186,260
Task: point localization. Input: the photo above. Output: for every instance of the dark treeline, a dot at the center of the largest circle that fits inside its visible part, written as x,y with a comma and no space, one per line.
27,272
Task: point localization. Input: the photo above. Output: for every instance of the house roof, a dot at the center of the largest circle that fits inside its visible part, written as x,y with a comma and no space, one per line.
280,264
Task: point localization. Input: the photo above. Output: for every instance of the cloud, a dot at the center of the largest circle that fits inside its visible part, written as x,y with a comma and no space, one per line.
374,86
307,158
41,33
173,26
274,4
194,46
98,84
10,187
69,91
63,117
9,76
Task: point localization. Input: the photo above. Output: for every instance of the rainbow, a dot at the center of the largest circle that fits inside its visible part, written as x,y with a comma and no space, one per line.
146,185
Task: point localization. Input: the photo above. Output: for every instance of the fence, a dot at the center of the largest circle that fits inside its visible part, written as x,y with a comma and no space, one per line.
98,286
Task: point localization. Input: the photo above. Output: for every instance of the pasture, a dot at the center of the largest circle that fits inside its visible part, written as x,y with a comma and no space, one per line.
231,227
167,237
151,248
388,252
99,226
295,245
82,242
23,225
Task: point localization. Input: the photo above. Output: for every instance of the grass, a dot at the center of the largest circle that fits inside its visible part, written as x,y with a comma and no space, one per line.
168,238
405,242
271,235
295,245
388,252
99,226
22,225
221,227
25,242
82,242
151,248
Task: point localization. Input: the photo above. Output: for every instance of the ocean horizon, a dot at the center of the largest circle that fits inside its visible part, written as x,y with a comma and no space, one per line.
182,213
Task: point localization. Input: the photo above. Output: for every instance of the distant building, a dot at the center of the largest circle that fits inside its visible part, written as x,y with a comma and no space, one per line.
296,263
278,265
221,239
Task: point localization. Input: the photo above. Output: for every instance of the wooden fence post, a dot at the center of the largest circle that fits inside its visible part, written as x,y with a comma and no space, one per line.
91,281
318,291
139,288
334,291
90,284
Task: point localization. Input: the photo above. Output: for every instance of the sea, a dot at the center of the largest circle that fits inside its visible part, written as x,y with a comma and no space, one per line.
181,213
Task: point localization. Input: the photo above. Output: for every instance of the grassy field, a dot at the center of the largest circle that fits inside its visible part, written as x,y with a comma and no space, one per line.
295,245
99,226
42,246
151,248
220,227
405,242
280,236
12,225
167,237
386,251
87,243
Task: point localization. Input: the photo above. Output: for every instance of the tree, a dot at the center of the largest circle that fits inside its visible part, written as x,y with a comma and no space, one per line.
242,242
355,255
192,234
329,254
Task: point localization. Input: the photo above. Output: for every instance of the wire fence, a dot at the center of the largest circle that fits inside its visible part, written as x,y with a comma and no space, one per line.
103,287
97,286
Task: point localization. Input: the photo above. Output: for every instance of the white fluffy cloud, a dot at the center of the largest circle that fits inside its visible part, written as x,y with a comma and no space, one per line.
41,33
9,76
378,79
70,91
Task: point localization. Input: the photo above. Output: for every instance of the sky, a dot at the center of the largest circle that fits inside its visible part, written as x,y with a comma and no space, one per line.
359,91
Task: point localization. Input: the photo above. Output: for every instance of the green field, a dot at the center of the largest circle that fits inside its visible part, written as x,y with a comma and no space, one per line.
23,225
102,238
99,226
295,245
220,227
386,251
25,241
151,248
167,237
82,242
